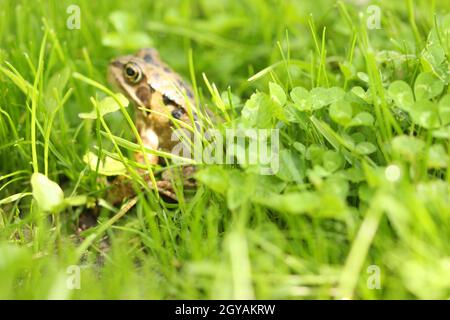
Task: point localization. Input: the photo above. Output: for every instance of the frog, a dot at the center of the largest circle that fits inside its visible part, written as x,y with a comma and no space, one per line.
165,102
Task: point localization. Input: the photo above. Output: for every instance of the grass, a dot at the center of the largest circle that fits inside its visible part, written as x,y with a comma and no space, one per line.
363,184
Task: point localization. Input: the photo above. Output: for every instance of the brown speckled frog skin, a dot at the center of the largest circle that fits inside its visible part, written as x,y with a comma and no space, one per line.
149,83
168,101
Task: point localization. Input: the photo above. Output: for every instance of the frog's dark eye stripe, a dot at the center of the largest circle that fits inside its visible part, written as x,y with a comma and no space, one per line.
167,101
177,113
132,72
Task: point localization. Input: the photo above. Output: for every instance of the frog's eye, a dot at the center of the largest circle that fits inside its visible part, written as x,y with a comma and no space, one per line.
132,72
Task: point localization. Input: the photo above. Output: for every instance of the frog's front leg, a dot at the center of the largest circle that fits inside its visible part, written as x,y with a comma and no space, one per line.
166,187
122,188
150,141
187,172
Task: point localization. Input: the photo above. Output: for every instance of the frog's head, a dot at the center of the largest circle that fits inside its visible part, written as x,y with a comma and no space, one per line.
128,73
140,75
130,70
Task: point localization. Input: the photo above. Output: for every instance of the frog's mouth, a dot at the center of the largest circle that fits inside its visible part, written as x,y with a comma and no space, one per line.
114,69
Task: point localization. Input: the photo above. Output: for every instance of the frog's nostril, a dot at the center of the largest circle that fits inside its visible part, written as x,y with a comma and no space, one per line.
117,63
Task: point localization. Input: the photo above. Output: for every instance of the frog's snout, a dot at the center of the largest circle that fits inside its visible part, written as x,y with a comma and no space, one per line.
113,70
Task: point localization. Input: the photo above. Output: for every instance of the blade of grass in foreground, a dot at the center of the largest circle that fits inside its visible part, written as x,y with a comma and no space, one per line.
34,102
359,251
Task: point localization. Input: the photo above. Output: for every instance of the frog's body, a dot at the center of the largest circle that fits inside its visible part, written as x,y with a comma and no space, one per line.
167,100
152,85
